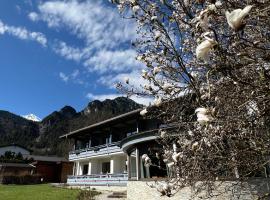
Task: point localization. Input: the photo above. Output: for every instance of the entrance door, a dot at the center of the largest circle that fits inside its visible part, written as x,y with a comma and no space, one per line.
85,169
106,167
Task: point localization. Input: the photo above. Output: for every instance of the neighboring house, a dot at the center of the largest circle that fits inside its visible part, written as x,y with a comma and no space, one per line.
14,148
16,169
51,169
109,152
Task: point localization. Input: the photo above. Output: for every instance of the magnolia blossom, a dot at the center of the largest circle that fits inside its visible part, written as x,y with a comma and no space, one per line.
170,165
203,49
156,70
157,102
235,18
218,4
176,156
167,86
153,18
143,112
135,8
126,80
212,7
194,146
146,160
203,115
144,74
163,133
158,35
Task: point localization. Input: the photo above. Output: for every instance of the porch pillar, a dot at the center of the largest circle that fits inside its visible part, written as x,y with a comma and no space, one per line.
89,168
138,167
74,169
111,166
77,168
128,166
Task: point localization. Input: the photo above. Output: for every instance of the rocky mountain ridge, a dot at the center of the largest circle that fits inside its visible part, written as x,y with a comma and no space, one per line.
43,137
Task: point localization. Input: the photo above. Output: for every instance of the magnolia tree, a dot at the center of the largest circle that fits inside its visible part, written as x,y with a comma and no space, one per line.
207,64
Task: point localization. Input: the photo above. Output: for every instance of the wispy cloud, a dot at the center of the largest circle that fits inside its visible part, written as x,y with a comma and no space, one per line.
63,77
73,76
23,34
105,34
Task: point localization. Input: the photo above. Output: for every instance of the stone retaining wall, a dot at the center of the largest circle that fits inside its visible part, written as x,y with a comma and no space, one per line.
140,190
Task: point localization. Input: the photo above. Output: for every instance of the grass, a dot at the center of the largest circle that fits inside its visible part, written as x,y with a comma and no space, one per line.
36,192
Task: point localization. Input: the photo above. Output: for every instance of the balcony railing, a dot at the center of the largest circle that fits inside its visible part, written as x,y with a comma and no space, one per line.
99,179
95,151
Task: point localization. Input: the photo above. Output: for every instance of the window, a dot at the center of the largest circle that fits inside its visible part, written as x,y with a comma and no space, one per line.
106,167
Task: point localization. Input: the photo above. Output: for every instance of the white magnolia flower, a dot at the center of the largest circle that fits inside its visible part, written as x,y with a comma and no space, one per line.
157,35
146,160
143,112
203,115
163,134
235,18
158,101
175,148
201,110
212,7
136,8
218,4
126,80
140,57
203,49
167,86
156,70
176,156
170,165
144,74
194,145
153,18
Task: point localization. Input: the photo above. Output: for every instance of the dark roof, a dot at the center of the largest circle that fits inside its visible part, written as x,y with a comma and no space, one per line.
106,122
17,145
23,165
46,158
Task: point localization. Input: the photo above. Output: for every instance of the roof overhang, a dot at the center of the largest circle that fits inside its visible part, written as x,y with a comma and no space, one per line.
106,123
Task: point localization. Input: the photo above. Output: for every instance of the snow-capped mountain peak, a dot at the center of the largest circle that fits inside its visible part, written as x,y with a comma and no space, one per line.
32,117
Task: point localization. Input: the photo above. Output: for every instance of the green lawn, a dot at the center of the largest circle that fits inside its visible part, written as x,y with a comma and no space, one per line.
36,192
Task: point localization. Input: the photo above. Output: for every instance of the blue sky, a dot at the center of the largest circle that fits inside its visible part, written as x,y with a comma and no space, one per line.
57,53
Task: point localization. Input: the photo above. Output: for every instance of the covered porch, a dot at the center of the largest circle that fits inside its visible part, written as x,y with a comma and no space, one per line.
107,170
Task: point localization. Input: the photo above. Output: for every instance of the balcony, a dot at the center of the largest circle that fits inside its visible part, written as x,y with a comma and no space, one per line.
100,150
99,180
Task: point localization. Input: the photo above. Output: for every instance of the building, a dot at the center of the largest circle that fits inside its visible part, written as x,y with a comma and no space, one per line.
50,168
109,152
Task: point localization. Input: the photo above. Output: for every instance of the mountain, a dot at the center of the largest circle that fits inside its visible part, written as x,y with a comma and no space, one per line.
16,129
32,117
43,136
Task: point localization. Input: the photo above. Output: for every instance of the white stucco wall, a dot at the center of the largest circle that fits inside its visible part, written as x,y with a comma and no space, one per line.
117,162
15,149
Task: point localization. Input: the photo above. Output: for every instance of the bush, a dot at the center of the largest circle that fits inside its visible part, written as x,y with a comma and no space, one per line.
26,179
87,195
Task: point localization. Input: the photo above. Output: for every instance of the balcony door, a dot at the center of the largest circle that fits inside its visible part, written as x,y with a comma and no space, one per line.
106,167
